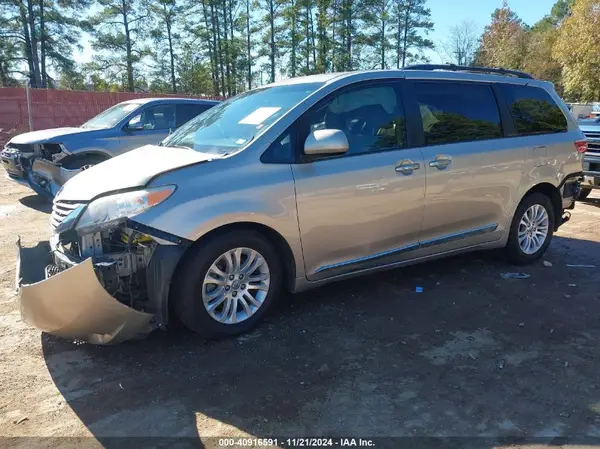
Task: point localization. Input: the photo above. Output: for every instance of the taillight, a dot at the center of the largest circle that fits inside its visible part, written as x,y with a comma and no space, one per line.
581,146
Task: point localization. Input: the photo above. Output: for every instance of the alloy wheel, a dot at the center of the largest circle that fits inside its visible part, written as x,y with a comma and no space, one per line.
533,229
236,285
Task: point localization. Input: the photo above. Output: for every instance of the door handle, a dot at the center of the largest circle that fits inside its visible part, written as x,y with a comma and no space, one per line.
441,162
407,167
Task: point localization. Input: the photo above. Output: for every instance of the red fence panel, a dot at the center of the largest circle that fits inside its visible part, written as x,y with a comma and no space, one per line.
13,112
57,108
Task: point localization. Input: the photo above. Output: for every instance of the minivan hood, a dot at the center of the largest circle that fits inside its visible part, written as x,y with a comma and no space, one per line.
129,170
48,135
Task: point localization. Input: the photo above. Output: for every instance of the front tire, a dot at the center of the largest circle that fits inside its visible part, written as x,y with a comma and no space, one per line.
226,285
531,229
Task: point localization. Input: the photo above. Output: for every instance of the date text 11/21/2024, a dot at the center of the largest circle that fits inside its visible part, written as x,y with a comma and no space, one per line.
294,442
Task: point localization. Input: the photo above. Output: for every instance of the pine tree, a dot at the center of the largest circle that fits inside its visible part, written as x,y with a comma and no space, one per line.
271,23
119,33
290,16
411,18
323,59
42,33
166,13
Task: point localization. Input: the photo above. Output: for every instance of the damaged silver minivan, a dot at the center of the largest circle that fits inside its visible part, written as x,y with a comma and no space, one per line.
300,183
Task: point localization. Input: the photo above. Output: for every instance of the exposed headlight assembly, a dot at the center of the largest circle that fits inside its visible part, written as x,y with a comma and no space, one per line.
106,211
54,151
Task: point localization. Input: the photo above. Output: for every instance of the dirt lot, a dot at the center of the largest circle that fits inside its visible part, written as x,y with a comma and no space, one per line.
473,355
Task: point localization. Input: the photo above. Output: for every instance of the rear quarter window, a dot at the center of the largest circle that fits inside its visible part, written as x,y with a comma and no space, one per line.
534,111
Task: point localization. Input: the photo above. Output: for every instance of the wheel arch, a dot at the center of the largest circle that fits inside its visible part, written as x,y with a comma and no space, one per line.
82,155
552,192
271,235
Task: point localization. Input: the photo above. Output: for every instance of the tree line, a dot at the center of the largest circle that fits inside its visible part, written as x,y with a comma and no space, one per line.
223,47
561,47
219,47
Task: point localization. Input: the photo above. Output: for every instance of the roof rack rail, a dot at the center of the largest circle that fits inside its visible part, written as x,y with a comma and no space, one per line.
461,68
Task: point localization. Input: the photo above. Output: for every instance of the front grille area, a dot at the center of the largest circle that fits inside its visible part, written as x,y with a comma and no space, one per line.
593,140
592,134
60,209
593,147
19,147
10,153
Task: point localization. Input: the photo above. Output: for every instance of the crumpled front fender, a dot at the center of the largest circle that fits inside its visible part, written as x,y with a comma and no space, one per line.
74,304
53,175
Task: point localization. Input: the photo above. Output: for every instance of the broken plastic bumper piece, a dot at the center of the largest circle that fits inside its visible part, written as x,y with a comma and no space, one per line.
73,304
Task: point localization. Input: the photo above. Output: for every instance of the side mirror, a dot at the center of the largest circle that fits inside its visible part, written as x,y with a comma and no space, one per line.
135,124
326,141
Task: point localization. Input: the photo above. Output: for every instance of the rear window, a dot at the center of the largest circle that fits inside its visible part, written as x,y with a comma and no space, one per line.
534,111
457,112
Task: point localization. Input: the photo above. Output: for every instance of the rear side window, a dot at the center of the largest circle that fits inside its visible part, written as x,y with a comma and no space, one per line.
186,112
457,112
534,111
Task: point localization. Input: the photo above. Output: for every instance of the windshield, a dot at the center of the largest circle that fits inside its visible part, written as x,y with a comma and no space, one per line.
230,125
111,116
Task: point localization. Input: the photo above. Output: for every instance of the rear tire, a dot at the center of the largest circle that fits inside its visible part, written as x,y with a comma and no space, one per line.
583,194
526,244
192,290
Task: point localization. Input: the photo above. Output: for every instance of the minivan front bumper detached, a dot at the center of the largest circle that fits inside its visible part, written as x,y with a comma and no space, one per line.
73,304
78,298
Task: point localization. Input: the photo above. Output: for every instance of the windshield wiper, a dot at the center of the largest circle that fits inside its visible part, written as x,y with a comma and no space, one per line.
181,146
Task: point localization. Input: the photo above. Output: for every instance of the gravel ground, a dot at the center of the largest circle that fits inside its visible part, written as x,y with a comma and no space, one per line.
473,356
